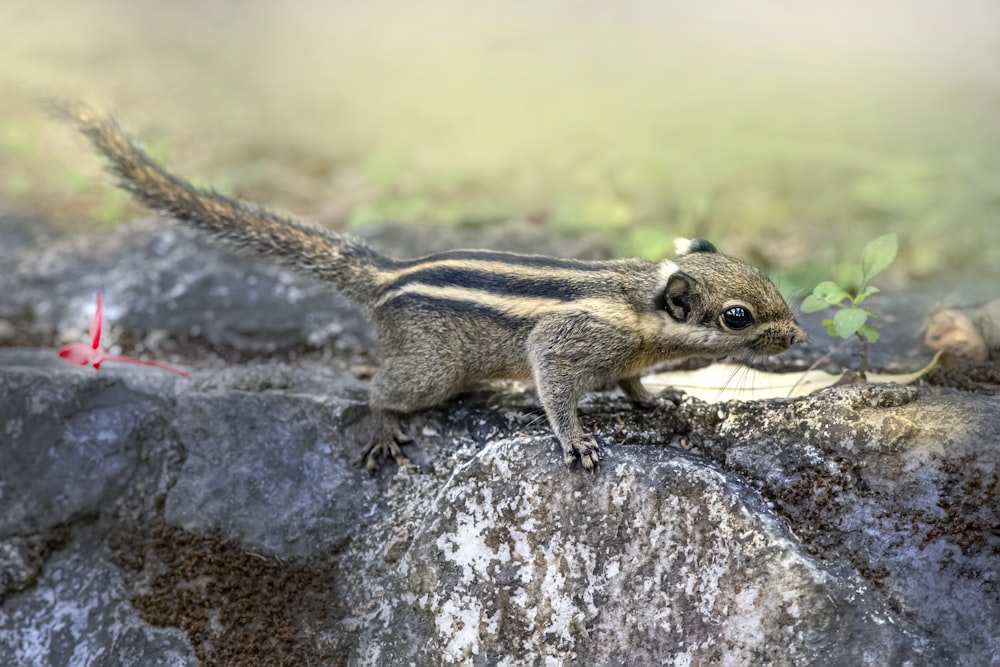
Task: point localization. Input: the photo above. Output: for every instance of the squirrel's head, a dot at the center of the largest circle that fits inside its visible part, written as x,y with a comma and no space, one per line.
729,307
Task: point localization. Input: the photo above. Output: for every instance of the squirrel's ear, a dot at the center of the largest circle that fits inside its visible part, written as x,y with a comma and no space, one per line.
679,296
684,246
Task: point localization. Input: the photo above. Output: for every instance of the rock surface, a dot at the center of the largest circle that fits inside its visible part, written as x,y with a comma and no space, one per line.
661,558
147,518
78,613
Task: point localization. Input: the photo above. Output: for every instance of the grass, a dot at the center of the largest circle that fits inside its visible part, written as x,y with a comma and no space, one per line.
783,141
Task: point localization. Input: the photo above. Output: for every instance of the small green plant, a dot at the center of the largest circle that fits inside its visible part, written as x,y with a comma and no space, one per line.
851,319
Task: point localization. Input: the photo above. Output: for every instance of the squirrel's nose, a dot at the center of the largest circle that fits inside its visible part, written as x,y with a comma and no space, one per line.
797,336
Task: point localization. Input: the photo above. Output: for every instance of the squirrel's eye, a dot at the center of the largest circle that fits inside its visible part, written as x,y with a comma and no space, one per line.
736,317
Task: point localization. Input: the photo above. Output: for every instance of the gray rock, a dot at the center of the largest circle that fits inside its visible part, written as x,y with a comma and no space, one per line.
160,282
78,613
900,484
21,233
273,470
659,558
72,439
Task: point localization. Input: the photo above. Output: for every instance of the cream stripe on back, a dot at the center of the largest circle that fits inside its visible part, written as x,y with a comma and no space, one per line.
611,310
498,266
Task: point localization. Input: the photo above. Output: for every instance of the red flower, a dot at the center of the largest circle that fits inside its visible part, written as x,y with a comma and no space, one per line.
93,354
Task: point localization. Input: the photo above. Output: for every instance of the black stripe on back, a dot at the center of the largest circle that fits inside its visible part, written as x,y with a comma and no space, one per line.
410,302
496,283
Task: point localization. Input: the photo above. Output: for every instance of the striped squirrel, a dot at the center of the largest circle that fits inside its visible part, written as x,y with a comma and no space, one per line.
450,319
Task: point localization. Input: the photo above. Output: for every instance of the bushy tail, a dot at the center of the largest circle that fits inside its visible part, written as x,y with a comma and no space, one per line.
348,263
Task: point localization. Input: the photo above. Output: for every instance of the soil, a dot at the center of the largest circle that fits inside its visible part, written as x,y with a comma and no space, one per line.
237,607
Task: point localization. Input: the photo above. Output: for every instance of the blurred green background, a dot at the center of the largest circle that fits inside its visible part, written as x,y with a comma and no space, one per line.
787,132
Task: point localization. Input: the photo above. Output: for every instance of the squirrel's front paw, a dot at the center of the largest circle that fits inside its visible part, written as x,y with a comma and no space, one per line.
586,449
675,396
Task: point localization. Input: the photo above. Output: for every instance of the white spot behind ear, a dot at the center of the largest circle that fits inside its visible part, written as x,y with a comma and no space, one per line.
667,269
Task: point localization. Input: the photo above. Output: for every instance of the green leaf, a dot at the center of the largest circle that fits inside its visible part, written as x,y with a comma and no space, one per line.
813,305
865,293
847,321
830,293
869,332
877,255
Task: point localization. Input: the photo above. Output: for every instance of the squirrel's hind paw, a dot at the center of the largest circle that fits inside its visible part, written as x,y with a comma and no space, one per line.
386,445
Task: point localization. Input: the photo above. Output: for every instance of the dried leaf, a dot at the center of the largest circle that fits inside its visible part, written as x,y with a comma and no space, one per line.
726,382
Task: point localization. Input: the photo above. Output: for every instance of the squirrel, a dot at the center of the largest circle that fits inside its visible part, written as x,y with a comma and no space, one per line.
453,318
